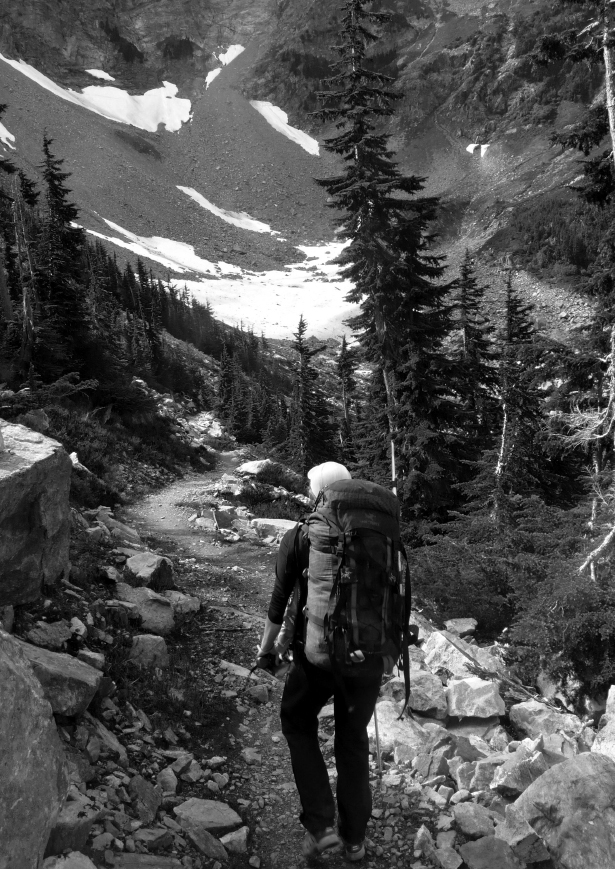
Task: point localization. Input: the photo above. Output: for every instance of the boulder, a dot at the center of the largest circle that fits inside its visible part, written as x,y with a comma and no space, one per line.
50,635
515,775
272,527
237,841
485,769
572,809
473,820
118,530
484,728
149,650
94,659
535,719
68,684
35,476
461,627
146,798
154,571
393,732
156,611
524,842
427,694
444,650
488,853
32,769
73,826
109,741
74,860
207,814
474,698
183,604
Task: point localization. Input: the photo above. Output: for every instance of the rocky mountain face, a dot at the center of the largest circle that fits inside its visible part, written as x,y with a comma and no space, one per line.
464,72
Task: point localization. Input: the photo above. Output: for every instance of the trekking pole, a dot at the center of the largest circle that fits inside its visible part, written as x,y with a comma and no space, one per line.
378,753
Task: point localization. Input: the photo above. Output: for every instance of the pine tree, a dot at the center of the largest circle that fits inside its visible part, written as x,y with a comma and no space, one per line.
311,438
404,316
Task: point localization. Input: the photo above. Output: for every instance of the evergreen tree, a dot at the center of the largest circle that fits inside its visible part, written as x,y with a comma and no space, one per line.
311,438
404,315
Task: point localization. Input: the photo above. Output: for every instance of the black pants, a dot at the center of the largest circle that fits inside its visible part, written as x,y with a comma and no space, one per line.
307,690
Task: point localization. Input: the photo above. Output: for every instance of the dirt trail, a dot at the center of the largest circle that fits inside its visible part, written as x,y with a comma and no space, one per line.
234,581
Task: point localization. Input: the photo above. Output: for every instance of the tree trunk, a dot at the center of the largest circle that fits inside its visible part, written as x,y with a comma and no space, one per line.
6,308
609,68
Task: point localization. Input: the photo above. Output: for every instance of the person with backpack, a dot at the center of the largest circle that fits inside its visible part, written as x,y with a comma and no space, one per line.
342,568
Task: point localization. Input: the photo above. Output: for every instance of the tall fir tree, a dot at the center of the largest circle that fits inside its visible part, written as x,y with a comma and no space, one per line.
404,313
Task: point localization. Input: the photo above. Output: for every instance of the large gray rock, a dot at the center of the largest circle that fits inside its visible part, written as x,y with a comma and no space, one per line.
444,650
68,684
74,860
208,814
473,820
109,741
149,650
33,779
572,808
427,694
275,527
488,853
393,732
461,627
73,826
535,719
155,610
148,568
522,839
522,769
183,604
35,476
474,698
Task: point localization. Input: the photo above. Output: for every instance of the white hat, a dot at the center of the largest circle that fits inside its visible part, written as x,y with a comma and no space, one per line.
323,475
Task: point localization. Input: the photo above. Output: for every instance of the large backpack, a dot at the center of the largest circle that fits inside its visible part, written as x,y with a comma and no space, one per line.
358,601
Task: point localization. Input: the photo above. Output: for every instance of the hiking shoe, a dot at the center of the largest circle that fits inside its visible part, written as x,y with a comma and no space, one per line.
315,843
354,853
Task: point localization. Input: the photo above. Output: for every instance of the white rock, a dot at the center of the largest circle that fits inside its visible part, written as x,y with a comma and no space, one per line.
393,732
535,719
446,651
237,841
461,627
474,698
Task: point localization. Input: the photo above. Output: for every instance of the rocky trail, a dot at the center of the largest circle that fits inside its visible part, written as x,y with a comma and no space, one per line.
170,754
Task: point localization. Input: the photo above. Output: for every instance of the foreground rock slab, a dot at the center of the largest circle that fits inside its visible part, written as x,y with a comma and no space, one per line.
34,780
68,684
489,853
474,698
572,808
209,814
74,860
406,734
156,611
536,719
35,474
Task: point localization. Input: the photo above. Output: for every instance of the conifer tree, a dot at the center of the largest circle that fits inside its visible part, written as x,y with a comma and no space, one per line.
404,315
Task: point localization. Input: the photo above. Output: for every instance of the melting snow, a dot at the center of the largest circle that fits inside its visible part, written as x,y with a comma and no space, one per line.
211,76
237,218
279,121
230,54
6,138
146,111
99,73
471,148
483,150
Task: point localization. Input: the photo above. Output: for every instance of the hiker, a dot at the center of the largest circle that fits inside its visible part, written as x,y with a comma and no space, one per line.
316,674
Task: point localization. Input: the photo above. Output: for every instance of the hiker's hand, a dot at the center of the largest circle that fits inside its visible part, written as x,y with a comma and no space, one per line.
269,637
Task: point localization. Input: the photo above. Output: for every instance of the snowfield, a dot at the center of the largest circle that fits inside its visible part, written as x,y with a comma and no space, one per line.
237,218
279,121
99,73
6,138
146,111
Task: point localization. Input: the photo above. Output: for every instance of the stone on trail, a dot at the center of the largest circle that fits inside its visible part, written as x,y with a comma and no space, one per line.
183,604
461,627
146,798
68,684
393,732
108,739
167,780
473,820
94,659
474,698
150,569
155,610
145,861
74,860
572,808
275,527
237,841
488,853
208,814
251,756
447,858
34,781
35,474
536,719
482,727
73,826
237,670
51,636
149,651
524,842
444,650
518,773
427,694
259,693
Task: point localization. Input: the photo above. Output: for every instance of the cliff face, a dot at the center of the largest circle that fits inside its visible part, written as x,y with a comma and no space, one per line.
140,42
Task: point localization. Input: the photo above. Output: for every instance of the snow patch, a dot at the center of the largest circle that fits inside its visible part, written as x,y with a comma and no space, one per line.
279,121
145,111
237,218
230,54
99,73
211,76
483,150
6,138
472,148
